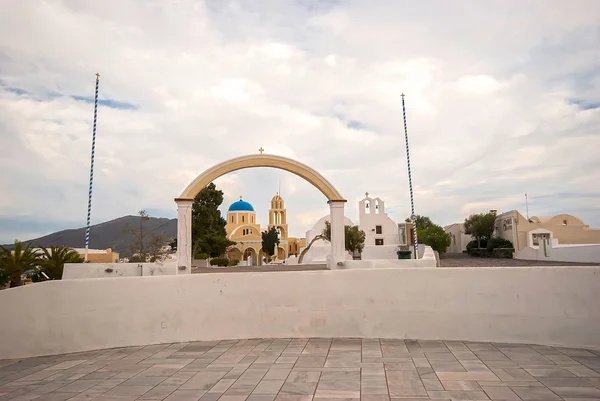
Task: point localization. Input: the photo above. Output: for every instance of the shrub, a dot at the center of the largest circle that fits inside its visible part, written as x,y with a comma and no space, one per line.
503,253
201,256
219,262
473,244
234,262
499,243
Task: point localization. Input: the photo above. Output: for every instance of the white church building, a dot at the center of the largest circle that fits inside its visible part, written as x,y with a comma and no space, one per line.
382,234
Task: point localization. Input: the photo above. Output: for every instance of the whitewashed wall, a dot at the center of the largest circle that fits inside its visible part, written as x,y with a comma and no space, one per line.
99,270
555,252
554,306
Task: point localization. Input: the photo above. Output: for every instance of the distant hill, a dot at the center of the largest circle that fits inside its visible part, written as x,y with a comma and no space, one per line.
111,234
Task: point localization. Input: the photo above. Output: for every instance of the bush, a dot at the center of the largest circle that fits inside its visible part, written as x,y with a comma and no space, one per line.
234,262
473,244
503,253
201,256
219,262
499,243
434,236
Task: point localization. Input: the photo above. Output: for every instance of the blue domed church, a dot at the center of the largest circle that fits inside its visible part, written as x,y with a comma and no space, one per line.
243,228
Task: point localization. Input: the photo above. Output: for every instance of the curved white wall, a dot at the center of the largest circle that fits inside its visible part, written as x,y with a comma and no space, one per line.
553,306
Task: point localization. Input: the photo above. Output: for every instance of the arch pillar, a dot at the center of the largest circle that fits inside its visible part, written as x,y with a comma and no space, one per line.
184,235
338,236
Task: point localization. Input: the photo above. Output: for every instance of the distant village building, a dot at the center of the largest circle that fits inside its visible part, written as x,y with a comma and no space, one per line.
565,228
458,238
99,255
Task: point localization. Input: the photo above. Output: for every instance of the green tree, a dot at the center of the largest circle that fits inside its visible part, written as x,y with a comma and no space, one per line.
354,237
52,261
208,226
480,226
434,236
422,221
270,238
15,263
137,248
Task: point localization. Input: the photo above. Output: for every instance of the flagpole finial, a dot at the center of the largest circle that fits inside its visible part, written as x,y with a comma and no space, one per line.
402,95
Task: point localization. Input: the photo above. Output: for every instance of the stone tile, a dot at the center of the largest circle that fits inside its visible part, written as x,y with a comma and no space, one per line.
513,374
550,372
500,393
79,386
369,397
129,390
565,382
510,384
457,395
55,397
582,371
254,397
185,395
310,362
159,392
267,387
66,364
403,383
161,370
227,397
144,381
587,392
286,359
275,374
477,376
463,385
340,376
373,386
303,377
203,380
290,388
535,393
222,386
431,382
291,397
399,366
338,389
178,378
447,366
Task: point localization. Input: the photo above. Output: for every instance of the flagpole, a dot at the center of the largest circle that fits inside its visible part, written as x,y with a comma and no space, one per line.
89,210
412,203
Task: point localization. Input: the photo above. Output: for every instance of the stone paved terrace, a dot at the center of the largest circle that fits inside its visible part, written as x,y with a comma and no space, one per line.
305,370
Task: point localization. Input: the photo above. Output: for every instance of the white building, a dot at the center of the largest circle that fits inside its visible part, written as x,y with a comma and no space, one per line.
458,238
382,234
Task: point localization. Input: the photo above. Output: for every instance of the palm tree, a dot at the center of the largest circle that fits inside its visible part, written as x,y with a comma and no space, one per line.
53,260
15,263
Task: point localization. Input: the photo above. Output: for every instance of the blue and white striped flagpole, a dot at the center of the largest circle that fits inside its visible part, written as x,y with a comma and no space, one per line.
412,202
89,210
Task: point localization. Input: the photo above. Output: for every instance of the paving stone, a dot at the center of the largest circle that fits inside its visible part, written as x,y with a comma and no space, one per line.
549,372
290,388
500,393
588,392
535,393
405,384
340,376
338,389
303,377
129,390
267,387
464,385
456,395
159,392
185,395
203,380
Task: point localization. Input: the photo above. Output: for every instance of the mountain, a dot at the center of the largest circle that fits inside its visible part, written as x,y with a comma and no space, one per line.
111,234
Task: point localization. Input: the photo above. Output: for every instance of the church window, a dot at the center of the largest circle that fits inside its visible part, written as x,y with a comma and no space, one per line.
378,230
242,219
564,222
378,241
232,219
252,219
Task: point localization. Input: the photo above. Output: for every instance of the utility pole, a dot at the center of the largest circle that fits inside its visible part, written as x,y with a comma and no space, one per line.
89,210
527,207
412,203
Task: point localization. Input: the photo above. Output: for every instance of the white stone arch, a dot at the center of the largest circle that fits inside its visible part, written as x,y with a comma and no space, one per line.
186,199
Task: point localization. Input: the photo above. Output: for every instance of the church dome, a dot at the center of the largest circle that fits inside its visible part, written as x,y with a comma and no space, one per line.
240,206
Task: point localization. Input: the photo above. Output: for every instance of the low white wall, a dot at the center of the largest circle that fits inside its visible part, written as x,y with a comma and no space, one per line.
576,253
98,270
553,306
379,252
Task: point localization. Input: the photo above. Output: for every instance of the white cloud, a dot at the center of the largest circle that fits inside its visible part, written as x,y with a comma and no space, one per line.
501,100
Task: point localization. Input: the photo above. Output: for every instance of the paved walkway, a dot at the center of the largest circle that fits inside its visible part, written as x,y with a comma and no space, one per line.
305,370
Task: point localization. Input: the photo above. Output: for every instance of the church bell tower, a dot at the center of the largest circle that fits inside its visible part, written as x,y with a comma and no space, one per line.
278,217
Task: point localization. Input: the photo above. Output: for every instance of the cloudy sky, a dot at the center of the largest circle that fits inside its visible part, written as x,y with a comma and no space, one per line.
503,99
